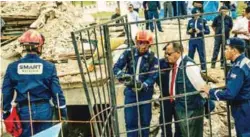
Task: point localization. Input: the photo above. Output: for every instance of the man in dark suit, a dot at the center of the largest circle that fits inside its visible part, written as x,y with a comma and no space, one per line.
167,108
185,78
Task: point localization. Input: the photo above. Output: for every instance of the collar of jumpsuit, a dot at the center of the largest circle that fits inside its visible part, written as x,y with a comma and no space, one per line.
145,55
238,58
31,56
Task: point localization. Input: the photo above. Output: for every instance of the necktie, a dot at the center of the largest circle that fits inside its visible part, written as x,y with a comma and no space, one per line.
249,26
172,82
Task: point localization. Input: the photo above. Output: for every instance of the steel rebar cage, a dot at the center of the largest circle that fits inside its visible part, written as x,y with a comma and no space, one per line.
106,89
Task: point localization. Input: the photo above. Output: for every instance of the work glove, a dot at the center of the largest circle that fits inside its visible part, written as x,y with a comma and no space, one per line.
139,86
126,78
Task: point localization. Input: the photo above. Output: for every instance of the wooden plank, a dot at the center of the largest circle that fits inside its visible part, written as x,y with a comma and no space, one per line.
19,23
8,40
15,29
13,33
18,17
6,37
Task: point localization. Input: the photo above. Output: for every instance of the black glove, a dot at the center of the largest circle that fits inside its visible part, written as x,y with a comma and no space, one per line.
6,115
125,78
139,86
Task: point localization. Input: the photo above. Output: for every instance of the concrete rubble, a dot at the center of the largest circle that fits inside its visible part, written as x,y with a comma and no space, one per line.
55,21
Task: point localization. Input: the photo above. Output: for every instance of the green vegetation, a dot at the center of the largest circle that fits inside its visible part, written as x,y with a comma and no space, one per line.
240,7
104,14
84,3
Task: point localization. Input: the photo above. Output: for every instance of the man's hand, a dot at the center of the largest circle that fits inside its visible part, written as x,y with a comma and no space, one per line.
125,78
245,33
197,31
190,30
205,89
140,87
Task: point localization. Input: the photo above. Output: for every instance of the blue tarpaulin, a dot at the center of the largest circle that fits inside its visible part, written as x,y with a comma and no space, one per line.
50,132
161,14
210,6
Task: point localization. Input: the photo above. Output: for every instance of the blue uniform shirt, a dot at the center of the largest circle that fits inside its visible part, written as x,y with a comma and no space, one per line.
153,5
145,66
34,75
192,23
228,25
238,82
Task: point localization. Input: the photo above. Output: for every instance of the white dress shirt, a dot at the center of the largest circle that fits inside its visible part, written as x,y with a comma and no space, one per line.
241,25
193,74
133,16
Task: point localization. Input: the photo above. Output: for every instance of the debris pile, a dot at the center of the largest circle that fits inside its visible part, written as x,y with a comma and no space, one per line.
55,21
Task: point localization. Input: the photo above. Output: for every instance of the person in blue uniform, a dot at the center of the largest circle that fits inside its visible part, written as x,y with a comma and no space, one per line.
153,7
217,27
167,108
196,28
35,81
237,90
137,84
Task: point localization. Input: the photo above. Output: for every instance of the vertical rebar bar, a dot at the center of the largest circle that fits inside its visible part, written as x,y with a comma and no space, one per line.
83,82
105,68
102,83
106,121
184,80
225,73
90,80
204,50
59,113
161,90
111,79
30,112
128,30
98,90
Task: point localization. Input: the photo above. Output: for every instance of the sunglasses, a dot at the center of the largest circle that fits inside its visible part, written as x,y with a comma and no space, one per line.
142,42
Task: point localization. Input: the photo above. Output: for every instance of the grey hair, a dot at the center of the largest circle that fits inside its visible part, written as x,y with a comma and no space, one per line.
176,46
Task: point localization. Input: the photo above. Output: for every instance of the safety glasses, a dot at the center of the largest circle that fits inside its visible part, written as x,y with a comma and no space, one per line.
142,43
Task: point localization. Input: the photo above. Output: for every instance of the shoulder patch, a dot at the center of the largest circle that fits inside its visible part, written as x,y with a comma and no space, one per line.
248,64
156,66
30,68
245,61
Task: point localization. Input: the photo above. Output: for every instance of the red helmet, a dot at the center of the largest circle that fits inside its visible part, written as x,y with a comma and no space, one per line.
144,36
32,37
